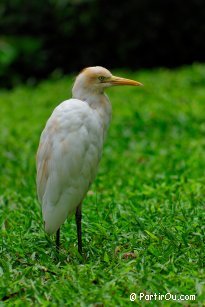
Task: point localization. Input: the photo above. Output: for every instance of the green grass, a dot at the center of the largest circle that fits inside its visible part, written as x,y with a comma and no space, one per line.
147,200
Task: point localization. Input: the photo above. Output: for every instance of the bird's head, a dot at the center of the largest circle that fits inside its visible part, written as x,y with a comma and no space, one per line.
96,79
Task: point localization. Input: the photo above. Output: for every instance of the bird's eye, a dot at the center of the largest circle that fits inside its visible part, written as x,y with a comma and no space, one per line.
101,78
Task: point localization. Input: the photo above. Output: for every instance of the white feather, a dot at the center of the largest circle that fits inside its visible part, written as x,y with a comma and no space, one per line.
69,152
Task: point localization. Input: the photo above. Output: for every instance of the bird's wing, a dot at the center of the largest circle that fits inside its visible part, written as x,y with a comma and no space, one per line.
67,159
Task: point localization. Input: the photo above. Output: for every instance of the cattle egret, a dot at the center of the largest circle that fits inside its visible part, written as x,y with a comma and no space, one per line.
71,147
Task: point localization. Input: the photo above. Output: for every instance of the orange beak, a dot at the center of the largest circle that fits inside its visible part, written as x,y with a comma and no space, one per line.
122,81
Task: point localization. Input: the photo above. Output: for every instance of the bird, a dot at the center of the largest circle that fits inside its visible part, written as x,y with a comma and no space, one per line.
70,149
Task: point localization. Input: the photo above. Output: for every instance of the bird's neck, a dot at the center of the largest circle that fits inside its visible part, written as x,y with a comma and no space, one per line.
99,102
93,98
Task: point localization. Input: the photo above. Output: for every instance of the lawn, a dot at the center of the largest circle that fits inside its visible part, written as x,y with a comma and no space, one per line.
143,219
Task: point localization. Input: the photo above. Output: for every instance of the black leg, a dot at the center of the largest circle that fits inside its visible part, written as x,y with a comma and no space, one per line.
58,240
78,218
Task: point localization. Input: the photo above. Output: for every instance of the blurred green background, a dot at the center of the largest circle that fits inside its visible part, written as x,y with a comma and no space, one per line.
39,38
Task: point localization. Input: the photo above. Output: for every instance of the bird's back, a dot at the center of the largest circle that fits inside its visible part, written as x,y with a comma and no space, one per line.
69,152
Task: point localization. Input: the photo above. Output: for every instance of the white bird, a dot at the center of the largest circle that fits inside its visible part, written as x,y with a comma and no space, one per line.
71,147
